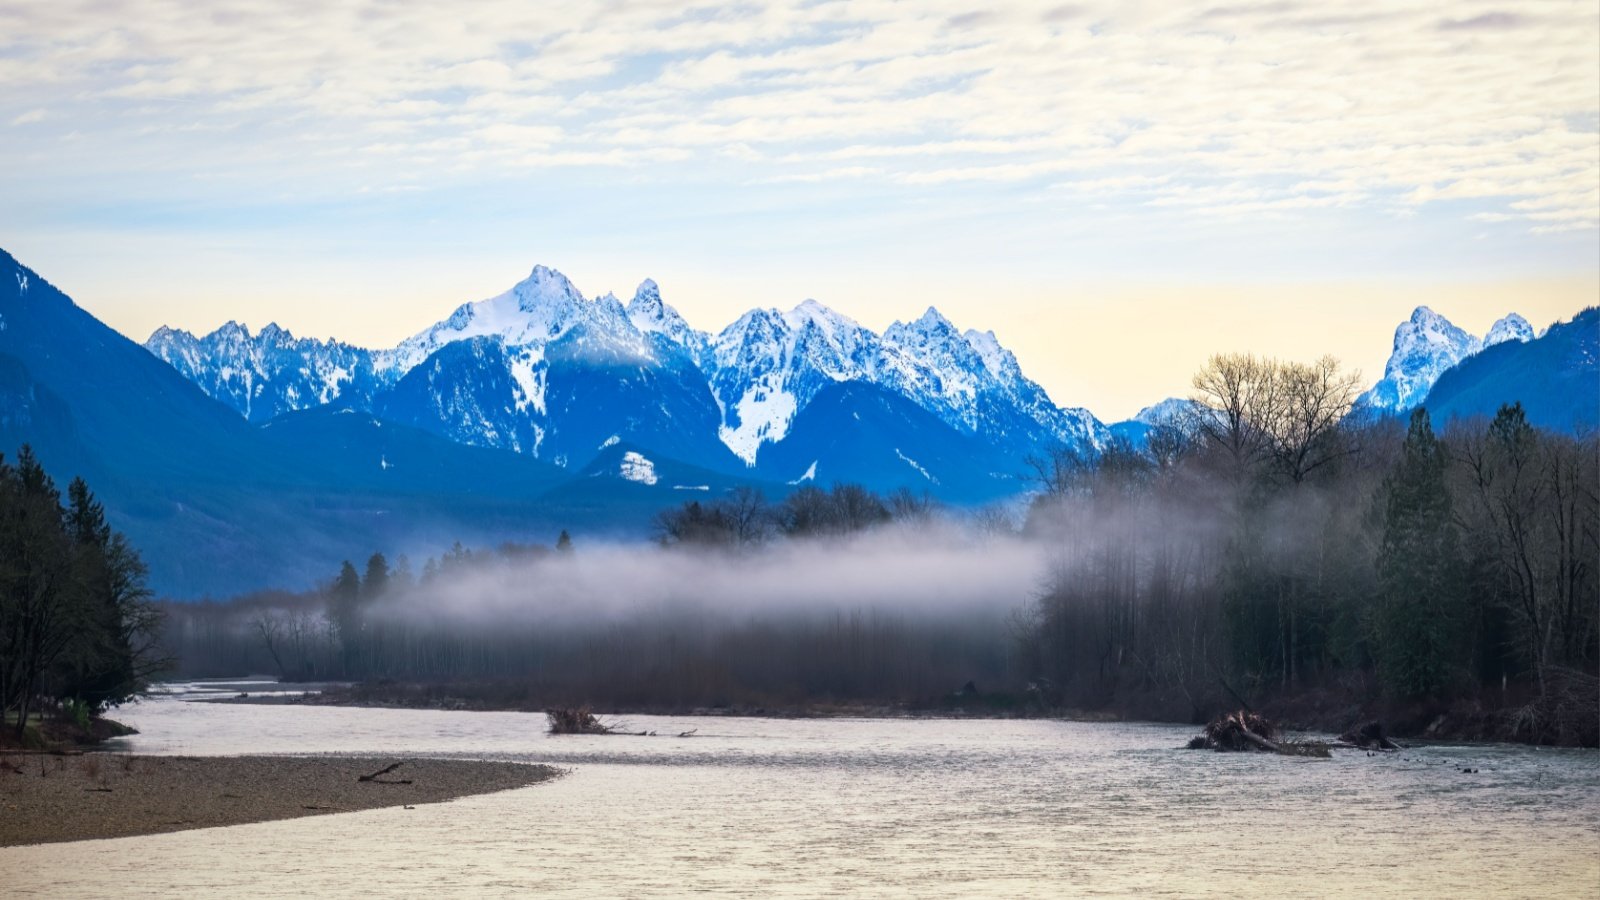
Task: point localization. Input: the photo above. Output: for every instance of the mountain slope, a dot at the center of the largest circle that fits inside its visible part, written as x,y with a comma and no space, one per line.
215,504
860,432
1556,378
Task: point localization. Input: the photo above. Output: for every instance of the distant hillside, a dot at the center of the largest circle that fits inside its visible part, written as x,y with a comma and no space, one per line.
1556,377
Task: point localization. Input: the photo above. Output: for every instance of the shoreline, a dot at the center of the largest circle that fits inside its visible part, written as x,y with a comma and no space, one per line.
1461,721
48,798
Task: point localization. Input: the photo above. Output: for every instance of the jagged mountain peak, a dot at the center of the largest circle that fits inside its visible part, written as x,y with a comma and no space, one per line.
1511,327
1426,345
931,323
539,309
997,359
545,285
836,325
651,315
647,295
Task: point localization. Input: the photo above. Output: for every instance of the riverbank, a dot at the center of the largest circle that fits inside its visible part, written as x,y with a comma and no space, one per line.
48,798
1565,719
53,735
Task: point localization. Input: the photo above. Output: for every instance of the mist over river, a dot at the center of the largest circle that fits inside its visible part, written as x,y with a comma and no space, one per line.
824,807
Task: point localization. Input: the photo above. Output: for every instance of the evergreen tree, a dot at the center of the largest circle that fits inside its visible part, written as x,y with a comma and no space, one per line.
76,622
345,600
376,581
1420,573
564,542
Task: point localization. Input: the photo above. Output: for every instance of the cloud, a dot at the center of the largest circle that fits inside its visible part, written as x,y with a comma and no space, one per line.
1491,21
1386,99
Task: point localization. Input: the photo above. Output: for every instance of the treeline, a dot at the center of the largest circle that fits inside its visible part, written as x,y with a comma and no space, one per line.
77,628
540,640
1270,544
333,632
745,519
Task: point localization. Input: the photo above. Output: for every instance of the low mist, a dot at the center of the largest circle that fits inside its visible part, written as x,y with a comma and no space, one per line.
927,571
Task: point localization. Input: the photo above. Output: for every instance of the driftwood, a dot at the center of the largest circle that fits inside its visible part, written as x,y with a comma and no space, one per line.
1368,736
376,779
1245,731
576,720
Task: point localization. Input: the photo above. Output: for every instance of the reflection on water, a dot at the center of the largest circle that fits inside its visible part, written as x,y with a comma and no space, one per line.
853,807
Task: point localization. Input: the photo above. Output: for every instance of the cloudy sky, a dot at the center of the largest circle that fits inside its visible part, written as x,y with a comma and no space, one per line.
1116,189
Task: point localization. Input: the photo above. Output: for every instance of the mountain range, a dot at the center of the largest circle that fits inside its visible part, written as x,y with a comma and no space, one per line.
544,371
240,460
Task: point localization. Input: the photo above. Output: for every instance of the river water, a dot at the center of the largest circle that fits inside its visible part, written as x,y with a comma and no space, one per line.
849,807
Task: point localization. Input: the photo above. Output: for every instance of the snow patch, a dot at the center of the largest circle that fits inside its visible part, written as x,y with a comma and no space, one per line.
913,464
529,380
635,467
764,412
810,474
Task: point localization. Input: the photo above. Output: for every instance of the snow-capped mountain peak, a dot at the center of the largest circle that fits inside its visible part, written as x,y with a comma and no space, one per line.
1427,345
997,359
650,315
1511,328
544,287
1172,409
539,309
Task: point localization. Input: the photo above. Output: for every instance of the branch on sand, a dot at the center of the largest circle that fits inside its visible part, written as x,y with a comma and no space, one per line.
376,778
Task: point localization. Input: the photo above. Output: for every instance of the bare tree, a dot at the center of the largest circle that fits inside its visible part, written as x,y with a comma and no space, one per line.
1240,395
1310,401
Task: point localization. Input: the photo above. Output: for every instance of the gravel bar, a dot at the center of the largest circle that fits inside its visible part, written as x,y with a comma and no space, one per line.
45,798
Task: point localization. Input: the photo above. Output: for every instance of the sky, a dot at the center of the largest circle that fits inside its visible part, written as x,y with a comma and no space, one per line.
1116,189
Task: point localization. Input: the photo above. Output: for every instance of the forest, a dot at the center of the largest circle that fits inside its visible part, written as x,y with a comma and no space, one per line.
78,629
1272,545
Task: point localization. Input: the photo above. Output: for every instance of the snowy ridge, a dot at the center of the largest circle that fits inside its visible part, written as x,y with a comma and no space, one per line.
266,374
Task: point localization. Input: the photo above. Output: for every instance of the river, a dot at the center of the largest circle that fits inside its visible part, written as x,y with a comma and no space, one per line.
851,807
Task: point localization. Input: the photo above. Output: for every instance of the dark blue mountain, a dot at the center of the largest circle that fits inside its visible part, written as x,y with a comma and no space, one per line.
1556,377
219,506
601,396
468,392
858,432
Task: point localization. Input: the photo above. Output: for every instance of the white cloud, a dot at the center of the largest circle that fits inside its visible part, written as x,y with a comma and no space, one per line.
1374,99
